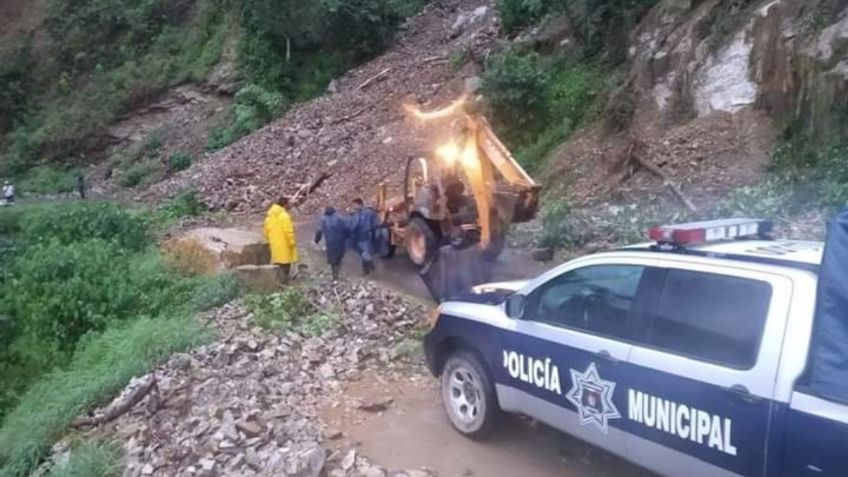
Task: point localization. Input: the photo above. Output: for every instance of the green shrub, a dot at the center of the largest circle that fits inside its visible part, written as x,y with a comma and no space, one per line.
47,180
538,103
70,223
59,293
216,291
459,58
179,161
516,14
104,364
137,174
290,310
516,85
184,204
10,219
254,107
15,85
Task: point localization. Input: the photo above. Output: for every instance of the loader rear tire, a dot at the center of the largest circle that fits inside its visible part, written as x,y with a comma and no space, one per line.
421,242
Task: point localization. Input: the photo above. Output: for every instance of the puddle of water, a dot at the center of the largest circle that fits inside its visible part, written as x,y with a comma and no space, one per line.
414,433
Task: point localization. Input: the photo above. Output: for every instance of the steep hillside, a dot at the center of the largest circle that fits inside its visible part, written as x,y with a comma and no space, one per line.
709,102
141,89
358,131
709,92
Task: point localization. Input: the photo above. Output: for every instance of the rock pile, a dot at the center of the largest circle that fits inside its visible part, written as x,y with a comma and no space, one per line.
358,132
247,404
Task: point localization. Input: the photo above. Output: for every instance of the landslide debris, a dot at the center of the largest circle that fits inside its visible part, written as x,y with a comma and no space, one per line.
358,131
247,404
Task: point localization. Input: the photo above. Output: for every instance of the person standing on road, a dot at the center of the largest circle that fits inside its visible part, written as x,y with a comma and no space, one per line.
363,223
81,185
280,234
8,193
333,229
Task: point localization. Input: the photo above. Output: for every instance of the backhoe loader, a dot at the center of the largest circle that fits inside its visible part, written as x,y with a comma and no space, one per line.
456,206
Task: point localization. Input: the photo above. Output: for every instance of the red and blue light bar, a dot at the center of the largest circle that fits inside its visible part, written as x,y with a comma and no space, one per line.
711,231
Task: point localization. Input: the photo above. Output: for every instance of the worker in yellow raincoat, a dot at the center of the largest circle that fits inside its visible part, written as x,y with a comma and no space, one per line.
280,234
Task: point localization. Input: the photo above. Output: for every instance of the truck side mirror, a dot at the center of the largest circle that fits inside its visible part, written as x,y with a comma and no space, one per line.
515,306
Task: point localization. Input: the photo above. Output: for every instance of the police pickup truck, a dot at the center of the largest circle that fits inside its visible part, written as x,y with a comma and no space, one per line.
690,356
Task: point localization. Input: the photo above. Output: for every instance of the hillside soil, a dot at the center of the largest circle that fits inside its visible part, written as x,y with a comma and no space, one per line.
358,132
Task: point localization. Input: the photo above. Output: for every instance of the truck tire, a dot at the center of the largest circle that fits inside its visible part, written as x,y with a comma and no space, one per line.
468,395
421,242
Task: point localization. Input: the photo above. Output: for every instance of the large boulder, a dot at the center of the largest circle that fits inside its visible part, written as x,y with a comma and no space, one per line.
259,278
208,251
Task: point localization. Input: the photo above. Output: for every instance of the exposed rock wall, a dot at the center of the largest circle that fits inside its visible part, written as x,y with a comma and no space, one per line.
788,57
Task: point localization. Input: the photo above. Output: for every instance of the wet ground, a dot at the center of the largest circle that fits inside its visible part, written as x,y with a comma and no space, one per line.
400,274
413,432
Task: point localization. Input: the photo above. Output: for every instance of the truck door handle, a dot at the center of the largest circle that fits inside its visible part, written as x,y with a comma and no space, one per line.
741,392
606,356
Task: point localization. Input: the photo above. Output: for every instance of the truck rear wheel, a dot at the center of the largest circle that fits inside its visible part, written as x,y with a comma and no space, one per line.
421,242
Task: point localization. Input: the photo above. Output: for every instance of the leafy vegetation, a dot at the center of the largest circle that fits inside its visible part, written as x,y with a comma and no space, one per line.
184,204
803,176
87,303
109,56
539,101
179,161
254,107
600,26
103,364
48,180
291,310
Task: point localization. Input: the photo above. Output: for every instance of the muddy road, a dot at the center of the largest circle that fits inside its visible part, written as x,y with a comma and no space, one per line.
413,432
400,274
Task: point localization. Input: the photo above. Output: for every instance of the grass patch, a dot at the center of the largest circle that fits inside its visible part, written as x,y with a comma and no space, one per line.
103,365
43,180
90,459
89,303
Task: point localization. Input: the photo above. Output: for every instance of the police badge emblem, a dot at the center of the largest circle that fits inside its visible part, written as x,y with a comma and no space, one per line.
592,396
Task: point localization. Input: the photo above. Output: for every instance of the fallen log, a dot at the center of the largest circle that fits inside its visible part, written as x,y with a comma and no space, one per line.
352,115
374,78
115,412
654,169
306,190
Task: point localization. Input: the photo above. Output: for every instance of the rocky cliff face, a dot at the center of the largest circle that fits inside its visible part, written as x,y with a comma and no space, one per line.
786,57
712,84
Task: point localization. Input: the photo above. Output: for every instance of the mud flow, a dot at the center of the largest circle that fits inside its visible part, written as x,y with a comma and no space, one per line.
399,423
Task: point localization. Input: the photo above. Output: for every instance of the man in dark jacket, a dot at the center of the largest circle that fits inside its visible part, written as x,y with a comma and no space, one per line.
333,229
362,226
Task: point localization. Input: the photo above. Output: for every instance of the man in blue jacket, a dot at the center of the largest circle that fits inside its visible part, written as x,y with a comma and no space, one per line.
333,230
363,224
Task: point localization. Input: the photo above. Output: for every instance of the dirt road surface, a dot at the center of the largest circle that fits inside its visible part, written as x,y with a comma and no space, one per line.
413,432
399,272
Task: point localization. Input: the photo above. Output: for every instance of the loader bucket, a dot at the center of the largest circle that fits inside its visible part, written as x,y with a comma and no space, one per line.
453,271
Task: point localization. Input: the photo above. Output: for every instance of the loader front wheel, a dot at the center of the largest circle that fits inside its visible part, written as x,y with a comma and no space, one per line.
421,242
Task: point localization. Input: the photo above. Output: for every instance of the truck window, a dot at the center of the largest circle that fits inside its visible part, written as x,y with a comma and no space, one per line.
597,299
711,317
